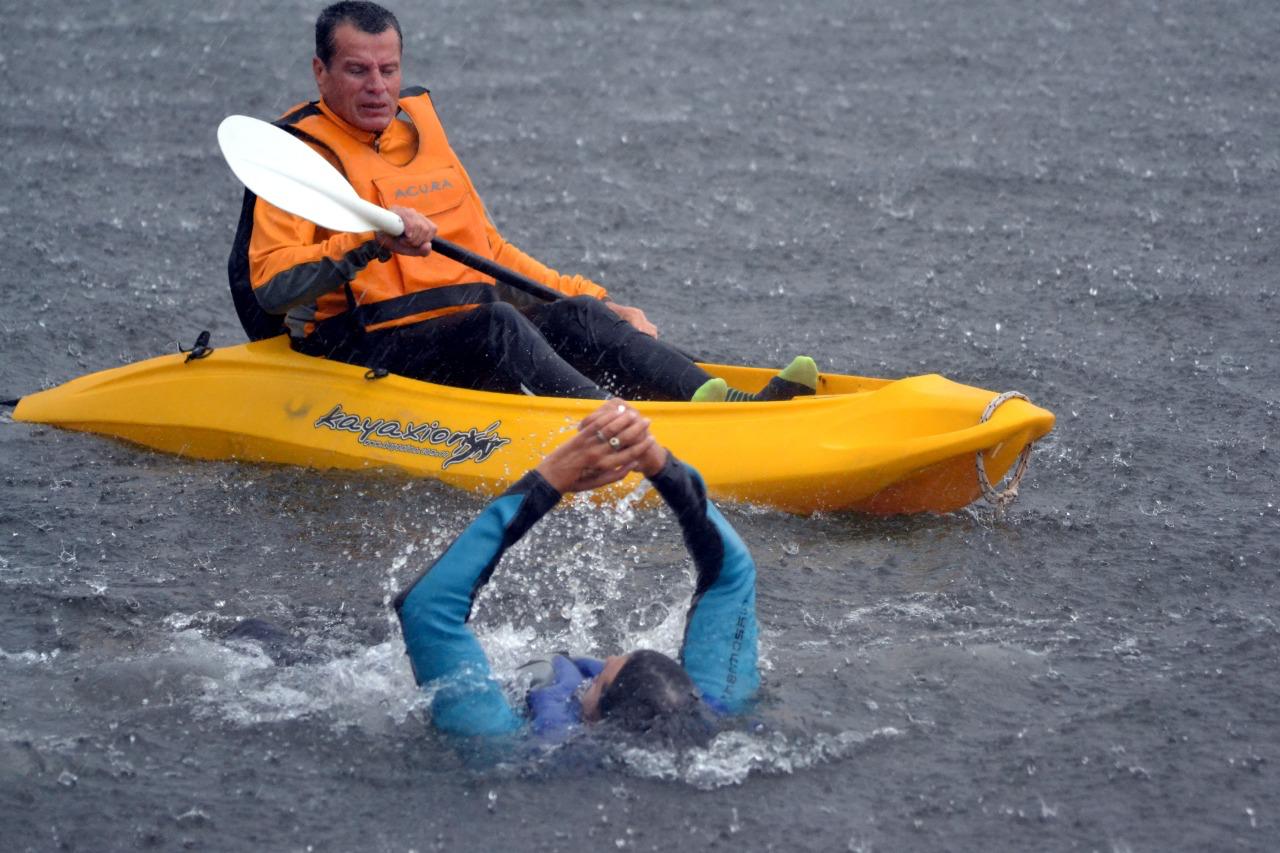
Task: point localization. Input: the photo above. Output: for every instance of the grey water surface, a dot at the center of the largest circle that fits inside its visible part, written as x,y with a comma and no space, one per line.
1076,200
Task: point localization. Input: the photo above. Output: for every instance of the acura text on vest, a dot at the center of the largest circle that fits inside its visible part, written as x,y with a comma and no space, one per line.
422,189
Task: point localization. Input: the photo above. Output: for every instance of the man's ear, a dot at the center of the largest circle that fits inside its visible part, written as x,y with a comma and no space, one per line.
317,68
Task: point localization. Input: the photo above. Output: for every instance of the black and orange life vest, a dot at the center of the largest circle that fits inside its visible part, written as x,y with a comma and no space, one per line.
403,289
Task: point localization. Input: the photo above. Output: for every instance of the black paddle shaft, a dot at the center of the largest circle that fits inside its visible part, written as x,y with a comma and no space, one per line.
467,258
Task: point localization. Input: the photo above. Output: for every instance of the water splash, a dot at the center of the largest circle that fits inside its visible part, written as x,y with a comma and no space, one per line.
237,680
733,756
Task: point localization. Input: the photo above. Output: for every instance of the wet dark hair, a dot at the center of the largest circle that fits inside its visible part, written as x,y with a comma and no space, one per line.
367,17
653,695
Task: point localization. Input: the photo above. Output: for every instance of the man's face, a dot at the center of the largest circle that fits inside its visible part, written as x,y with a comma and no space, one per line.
362,82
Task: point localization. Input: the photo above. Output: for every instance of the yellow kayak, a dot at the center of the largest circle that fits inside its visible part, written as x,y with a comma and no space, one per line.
870,445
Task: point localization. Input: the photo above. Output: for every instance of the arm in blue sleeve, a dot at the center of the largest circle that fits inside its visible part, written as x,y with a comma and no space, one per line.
721,635
435,608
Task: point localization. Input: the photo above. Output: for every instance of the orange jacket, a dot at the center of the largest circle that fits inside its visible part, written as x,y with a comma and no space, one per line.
311,274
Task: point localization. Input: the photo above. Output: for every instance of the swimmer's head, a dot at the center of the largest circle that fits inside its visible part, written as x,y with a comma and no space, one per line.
648,693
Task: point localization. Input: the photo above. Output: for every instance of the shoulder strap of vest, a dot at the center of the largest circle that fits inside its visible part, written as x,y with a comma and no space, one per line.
298,113
289,124
421,109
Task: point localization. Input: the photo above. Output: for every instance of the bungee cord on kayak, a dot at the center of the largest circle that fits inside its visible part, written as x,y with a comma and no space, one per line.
1001,499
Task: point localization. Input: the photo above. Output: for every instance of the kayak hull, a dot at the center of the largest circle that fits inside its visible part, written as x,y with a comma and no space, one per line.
870,445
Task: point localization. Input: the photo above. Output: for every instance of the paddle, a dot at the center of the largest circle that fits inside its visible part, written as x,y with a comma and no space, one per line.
293,176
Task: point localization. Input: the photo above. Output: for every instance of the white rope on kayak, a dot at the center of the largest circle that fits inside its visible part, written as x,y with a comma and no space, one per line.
1003,498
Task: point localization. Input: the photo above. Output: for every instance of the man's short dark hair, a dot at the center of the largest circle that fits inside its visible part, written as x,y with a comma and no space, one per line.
367,17
653,695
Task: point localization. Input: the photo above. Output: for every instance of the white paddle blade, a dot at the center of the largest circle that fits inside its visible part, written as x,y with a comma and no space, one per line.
291,175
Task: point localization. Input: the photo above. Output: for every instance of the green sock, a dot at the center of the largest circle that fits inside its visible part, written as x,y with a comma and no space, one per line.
712,391
797,379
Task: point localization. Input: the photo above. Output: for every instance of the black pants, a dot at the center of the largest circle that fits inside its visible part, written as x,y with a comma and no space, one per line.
568,348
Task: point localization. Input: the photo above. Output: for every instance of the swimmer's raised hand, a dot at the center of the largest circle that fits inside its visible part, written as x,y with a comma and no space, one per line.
611,443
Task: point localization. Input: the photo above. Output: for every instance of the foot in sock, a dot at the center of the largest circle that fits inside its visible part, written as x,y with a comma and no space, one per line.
712,391
797,379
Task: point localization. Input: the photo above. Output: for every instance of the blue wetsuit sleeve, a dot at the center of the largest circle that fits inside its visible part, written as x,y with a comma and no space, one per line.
720,639
435,608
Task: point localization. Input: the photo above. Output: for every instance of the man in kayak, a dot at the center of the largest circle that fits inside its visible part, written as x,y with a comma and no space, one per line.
385,302
643,691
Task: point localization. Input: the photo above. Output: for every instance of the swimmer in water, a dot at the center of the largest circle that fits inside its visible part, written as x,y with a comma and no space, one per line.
641,691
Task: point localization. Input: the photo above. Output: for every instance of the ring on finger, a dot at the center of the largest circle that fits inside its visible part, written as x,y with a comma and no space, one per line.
604,439
615,443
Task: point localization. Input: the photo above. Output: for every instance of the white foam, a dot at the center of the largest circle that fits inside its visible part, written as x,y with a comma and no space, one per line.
234,679
733,756
372,689
28,657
